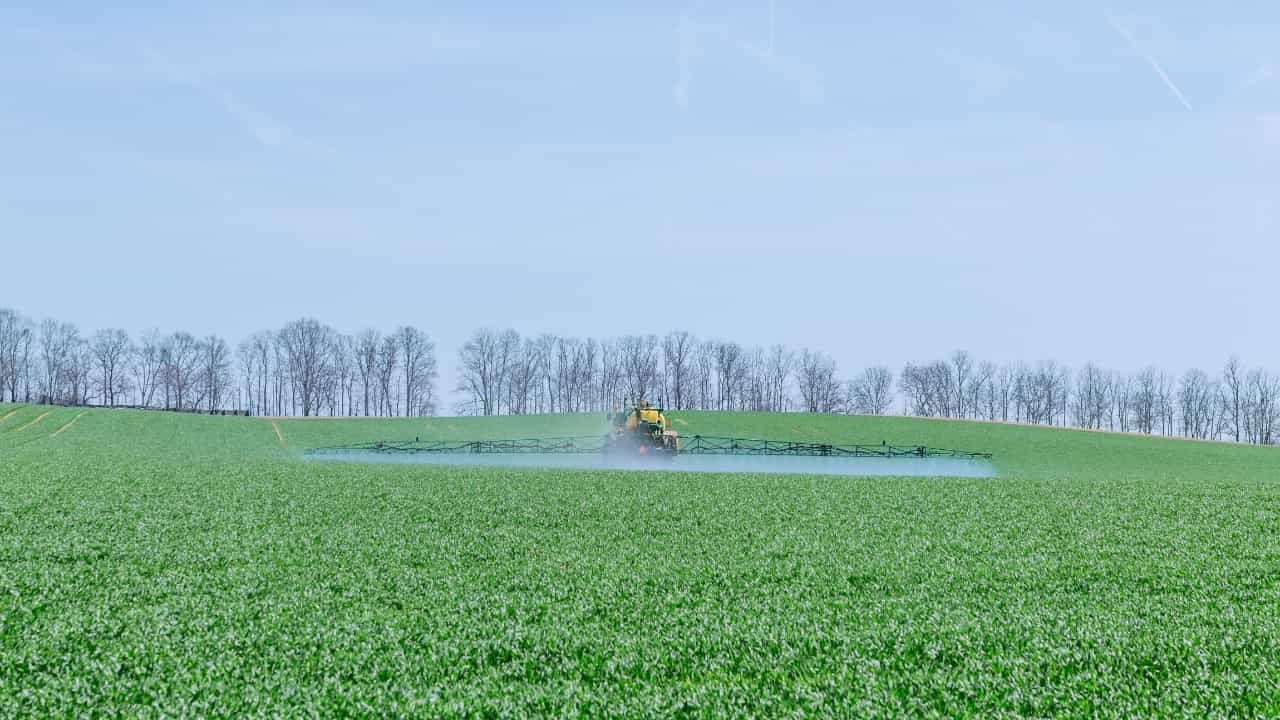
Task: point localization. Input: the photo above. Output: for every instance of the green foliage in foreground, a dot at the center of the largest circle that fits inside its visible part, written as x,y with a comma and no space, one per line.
187,565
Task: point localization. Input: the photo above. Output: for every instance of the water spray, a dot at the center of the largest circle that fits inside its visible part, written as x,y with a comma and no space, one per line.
698,453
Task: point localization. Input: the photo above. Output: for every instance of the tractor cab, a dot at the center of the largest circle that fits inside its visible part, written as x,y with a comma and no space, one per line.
644,426
646,417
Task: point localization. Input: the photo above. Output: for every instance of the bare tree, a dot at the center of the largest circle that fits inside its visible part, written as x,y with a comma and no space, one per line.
704,376
385,365
485,359
677,359
9,323
929,389
609,375
1145,401
366,362
1091,407
586,370
110,352
248,365
962,369
15,353
779,365
1003,393
280,382
978,391
571,371
418,370
753,390
1041,395
639,362
557,367
729,367
261,348
1166,407
79,372
179,371
215,371
542,395
1057,388
57,344
306,343
871,393
147,365
1262,407
523,372
818,385
1122,396
985,391
345,372
1198,405
1233,398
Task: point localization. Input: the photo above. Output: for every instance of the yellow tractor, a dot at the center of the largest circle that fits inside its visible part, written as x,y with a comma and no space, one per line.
643,429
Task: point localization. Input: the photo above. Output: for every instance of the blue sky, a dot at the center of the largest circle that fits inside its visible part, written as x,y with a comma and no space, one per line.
888,182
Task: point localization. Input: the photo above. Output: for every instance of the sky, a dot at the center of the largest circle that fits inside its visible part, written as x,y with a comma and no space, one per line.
888,182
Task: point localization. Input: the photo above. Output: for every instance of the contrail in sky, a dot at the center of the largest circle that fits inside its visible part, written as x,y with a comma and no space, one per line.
689,36
772,17
1154,65
683,90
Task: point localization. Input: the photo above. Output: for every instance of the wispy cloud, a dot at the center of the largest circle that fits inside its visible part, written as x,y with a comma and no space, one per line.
773,21
269,132
682,92
1269,123
988,76
1152,61
1264,72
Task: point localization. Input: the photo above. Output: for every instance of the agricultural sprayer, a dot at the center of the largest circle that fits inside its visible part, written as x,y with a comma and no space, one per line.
641,433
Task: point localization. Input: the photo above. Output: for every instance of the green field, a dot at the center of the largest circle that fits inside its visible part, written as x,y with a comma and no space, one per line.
159,564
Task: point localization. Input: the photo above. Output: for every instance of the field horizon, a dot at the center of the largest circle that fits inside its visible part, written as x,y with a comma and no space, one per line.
160,563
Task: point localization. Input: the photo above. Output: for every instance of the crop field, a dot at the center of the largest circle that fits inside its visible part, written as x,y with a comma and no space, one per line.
157,564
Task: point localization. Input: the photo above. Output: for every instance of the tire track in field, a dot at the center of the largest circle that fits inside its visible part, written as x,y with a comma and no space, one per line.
11,414
279,435
13,442
63,429
33,422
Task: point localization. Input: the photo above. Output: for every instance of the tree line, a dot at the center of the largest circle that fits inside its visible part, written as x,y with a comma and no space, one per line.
304,368
501,372
309,368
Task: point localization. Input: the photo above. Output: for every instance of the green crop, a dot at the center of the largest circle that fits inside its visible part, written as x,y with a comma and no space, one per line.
158,564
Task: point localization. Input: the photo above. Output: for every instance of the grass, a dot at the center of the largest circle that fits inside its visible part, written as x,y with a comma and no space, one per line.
186,565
